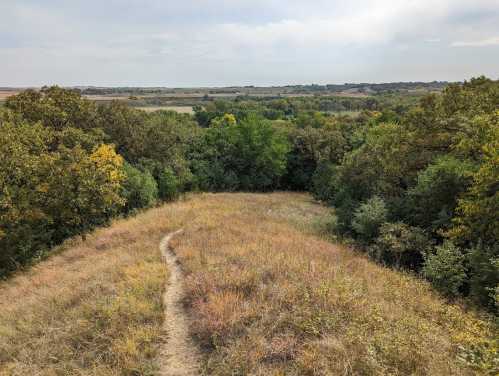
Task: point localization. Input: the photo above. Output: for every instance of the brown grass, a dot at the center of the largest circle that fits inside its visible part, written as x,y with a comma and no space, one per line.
267,294
268,297
93,309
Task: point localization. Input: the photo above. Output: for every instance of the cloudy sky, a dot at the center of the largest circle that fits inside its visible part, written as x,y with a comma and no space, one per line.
245,42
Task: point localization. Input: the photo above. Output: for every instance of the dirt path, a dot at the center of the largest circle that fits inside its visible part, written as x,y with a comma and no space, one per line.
178,355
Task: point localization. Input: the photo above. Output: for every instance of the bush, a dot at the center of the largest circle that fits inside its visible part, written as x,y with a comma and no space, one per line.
445,268
323,182
327,225
168,185
139,189
369,217
401,245
484,274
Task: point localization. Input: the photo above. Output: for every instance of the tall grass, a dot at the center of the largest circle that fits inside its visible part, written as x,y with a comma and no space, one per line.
93,309
268,297
266,294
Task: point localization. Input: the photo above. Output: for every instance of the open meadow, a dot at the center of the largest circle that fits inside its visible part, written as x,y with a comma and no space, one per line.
267,293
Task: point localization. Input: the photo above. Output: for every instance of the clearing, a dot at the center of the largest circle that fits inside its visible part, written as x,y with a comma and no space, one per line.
262,292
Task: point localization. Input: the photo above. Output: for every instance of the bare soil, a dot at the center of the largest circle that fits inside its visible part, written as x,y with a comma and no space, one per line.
178,354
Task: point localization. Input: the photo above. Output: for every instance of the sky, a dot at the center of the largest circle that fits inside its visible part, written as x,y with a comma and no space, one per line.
191,43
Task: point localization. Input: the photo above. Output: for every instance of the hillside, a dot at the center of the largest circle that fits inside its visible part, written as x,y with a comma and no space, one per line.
266,294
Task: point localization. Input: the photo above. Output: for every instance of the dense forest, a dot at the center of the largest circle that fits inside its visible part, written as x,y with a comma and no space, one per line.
414,185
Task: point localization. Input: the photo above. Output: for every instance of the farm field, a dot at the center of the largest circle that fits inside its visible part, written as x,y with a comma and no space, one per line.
266,292
4,94
179,109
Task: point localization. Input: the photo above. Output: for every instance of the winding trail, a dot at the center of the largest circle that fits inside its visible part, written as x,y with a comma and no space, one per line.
178,354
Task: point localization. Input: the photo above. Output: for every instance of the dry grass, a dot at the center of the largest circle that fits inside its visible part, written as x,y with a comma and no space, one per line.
93,309
268,297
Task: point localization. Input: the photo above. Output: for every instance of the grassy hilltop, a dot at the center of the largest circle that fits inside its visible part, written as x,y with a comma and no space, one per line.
267,293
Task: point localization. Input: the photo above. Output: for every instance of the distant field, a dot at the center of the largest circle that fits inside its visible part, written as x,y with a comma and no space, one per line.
179,109
345,113
4,94
106,97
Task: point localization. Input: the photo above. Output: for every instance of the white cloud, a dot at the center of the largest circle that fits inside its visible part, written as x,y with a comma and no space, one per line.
190,42
494,41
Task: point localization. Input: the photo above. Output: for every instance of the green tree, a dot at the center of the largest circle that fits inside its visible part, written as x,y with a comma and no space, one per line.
478,211
168,185
139,189
433,200
249,155
54,107
90,183
47,195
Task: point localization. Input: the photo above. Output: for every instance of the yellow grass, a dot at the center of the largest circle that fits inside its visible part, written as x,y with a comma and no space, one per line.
93,309
267,294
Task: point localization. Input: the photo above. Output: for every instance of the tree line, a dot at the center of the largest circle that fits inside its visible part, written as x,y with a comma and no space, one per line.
415,185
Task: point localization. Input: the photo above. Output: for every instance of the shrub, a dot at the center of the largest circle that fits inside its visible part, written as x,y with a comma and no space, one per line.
323,182
369,217
327,225
484,274
401,244
445,268
168,185
139,189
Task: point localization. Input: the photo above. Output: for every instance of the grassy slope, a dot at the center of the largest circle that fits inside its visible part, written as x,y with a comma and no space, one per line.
270,300
93,309
267,295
